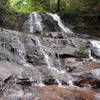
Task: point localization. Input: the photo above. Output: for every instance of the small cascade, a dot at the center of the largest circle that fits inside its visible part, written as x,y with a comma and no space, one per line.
50,65
94,53
70,83
61,25
90,56
35,22
59,83
40,83
47,59
95,43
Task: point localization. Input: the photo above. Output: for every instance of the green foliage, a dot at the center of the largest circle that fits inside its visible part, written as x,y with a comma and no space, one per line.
72,6
26,6
3,9
91,6
66,6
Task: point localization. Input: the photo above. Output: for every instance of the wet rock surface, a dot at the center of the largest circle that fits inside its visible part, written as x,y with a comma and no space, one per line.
53,67
7,69
49,93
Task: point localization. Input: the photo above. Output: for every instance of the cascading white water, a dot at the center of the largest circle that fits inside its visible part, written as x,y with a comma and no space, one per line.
35,22
95,47
30,21
70,81
59,83
90,56
41,84
95,43
50,65
61,25
48,60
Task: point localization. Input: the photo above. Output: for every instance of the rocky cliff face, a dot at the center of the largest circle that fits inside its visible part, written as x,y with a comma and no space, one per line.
54,66
58,65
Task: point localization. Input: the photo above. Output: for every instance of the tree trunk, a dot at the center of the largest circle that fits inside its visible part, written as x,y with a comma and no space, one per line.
49,3
58,6
7,3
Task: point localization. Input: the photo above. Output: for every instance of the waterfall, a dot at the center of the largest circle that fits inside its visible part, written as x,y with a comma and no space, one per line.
35,22
61,25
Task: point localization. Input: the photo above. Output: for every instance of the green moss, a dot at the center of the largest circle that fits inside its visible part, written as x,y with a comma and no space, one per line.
83,24
81,49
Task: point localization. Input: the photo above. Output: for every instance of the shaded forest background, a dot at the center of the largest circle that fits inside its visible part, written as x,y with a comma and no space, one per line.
80,15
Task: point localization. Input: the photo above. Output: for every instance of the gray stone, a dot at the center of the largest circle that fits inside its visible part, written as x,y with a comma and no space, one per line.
8,69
